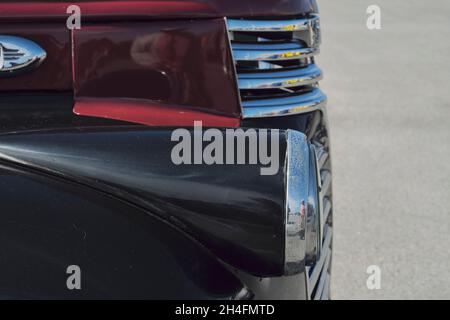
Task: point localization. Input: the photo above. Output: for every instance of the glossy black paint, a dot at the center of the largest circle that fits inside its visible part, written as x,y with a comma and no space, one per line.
48,224
36,111
238,214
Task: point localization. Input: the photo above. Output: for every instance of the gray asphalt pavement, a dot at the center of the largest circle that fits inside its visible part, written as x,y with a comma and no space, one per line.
389,110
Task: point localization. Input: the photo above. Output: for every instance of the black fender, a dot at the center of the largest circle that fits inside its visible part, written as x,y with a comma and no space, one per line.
48,224
233,210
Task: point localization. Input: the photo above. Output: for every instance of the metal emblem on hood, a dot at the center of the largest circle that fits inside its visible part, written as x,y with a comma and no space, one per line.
18,55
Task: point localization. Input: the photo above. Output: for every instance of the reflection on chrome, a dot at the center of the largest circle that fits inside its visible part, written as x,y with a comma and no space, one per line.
283,79
271,52
274,25
285,106
276,70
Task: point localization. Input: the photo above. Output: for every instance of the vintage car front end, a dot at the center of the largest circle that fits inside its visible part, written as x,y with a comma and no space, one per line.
88,115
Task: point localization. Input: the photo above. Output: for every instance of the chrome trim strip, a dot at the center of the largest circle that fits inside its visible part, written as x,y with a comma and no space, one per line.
272,25
267,45
313,214
320,289
297,184
326,292
301,103
322,155
327,209
326,255
326,181
235,73
284,79
321,207
271,52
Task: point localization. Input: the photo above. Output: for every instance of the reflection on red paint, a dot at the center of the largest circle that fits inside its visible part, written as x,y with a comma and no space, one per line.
150,113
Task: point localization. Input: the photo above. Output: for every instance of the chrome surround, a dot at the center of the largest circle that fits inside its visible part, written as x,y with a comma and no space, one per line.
276,107
18,55
301,186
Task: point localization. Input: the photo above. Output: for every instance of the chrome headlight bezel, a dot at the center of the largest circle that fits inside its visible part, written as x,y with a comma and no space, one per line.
302,226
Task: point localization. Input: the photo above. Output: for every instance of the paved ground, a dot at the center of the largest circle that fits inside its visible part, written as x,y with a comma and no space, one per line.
389,108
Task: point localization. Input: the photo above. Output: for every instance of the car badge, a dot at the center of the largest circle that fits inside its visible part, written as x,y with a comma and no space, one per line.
19,55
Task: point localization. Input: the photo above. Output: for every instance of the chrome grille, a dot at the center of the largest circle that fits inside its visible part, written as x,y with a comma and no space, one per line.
276,71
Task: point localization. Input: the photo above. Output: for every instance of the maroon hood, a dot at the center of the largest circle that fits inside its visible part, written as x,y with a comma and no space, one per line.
249,8
126,45
55,9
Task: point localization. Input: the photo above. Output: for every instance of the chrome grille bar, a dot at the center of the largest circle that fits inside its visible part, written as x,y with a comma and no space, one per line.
280,79
284,106
271,52
271,25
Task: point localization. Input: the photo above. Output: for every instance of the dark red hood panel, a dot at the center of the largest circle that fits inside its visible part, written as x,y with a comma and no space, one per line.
177,63
127,54
118,9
